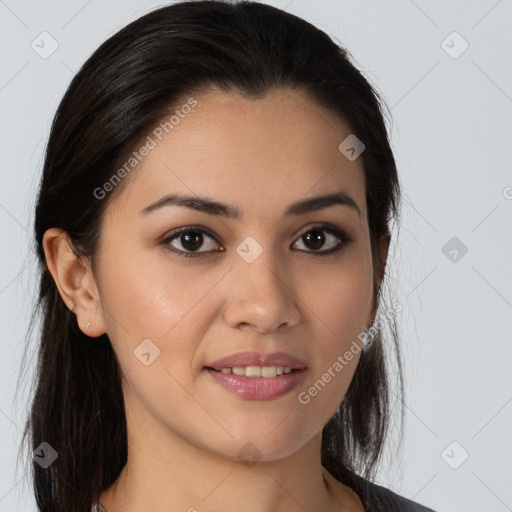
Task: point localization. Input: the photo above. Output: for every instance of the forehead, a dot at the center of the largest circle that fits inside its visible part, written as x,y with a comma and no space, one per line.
253,152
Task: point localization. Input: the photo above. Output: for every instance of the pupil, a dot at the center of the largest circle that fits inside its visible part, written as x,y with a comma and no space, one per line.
194,244
318,240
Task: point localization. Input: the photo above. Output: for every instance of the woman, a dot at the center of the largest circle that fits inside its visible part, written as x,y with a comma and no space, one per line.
212,227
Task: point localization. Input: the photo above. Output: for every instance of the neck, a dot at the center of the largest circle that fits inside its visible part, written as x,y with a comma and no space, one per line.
165,471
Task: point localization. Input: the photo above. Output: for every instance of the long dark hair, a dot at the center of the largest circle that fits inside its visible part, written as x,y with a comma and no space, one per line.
134,79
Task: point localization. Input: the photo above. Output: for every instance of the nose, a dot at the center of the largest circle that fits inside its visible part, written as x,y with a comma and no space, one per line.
261,296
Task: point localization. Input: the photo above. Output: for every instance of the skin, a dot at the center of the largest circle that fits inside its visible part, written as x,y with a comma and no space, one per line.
185,430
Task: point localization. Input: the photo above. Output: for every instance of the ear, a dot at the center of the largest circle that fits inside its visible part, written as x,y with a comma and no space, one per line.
379,267
75,282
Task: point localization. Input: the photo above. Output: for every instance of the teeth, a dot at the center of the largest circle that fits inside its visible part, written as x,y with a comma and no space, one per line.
257,371
254,371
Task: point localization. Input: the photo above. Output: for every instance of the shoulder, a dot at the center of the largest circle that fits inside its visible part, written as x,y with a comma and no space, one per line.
378,498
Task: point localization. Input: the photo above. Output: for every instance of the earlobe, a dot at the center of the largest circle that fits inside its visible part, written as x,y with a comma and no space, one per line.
74,282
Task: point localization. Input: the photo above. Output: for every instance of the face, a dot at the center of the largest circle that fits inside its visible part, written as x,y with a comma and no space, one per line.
265,281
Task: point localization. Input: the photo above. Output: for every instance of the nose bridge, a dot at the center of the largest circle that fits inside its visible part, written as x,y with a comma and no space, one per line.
258,264
262,296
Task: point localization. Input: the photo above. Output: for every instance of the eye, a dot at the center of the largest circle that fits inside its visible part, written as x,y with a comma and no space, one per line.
191,238
314,237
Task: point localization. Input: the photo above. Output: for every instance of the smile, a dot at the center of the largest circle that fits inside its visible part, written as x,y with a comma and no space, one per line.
256,382
256,371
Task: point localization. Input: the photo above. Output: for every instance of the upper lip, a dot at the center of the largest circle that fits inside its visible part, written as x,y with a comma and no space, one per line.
258,359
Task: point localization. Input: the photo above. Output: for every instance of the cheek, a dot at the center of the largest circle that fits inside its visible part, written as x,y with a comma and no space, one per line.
338,309
161,304
148,295
340,299
157,300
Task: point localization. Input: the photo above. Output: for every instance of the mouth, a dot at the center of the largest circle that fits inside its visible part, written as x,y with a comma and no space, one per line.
256,382
265,372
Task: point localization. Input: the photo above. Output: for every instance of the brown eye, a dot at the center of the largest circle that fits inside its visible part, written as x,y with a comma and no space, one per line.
190,239
315,239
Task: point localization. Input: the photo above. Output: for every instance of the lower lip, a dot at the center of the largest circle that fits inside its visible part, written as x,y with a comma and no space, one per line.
258,388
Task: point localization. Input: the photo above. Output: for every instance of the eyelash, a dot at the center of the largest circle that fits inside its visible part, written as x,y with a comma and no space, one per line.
345,240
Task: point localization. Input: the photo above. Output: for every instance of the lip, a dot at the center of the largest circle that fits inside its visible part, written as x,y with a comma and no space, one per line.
258,388
252,358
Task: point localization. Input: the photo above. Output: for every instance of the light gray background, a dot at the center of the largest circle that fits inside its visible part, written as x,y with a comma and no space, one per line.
452,135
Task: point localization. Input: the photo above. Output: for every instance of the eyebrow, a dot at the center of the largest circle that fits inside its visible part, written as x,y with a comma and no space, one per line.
211,207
